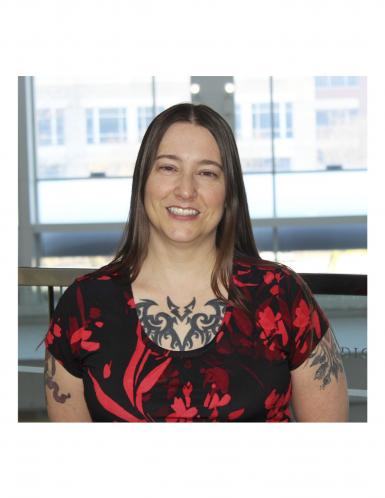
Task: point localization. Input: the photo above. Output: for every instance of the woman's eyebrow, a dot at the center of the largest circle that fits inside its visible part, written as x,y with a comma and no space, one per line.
203,161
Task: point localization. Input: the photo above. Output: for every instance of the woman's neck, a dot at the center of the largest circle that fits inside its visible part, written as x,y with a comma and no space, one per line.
175,266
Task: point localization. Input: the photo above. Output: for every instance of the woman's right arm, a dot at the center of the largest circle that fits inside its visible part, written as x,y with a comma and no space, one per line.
64,393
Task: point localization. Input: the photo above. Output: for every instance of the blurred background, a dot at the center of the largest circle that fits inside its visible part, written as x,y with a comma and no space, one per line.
302,145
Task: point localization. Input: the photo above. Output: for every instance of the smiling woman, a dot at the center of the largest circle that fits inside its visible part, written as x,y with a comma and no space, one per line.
187,323
190,188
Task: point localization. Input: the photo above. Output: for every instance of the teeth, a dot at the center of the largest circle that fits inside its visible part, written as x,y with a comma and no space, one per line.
183,212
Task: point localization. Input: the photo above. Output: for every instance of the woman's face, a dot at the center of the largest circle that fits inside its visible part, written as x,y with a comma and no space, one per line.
189,175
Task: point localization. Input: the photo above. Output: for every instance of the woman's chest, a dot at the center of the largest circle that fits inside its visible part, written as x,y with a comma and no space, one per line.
179,321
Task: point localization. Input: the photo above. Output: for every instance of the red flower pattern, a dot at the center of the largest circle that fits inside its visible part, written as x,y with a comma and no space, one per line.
277,406
274,330
270,277
183,412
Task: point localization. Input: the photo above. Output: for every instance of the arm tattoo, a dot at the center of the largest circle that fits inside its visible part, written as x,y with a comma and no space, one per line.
184,329
49,372
328,360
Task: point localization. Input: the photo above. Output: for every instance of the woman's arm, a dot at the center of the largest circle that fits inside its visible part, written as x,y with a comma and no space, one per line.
64,393
319,387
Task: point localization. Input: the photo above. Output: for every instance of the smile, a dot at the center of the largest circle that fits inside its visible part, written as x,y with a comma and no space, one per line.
179,213
183,212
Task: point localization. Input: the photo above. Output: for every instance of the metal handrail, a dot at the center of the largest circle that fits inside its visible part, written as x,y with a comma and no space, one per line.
319,283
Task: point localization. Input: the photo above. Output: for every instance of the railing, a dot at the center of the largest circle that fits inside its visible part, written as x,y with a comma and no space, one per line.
319,283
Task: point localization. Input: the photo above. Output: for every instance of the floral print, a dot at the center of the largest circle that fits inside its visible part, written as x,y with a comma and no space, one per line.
242,375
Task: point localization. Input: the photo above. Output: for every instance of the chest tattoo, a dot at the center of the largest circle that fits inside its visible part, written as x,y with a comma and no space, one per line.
181,328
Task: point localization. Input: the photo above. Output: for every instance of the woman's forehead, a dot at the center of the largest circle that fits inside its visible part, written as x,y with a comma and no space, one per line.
185,139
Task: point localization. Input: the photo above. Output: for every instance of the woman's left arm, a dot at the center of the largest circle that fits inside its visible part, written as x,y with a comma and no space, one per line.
319,387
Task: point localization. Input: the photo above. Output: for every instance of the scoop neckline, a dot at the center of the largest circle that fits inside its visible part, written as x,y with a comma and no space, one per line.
193,352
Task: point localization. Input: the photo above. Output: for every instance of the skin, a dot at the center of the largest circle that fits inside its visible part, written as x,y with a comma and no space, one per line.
64,393
181,328
319,386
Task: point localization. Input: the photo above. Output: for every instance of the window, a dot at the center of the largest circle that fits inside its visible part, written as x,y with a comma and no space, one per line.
50,126
283,164
145,116
352,80
336,81
261,120
90,126
106,125
238,129
335,117
289,120
312,131
321,81
112,125
322,118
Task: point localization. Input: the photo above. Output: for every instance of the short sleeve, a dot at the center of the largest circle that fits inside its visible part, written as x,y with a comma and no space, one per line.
308,321
66,322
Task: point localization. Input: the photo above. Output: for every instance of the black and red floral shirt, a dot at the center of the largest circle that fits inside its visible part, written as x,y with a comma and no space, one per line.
242,375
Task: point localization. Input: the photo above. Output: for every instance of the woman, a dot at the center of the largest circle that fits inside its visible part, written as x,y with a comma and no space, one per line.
187,323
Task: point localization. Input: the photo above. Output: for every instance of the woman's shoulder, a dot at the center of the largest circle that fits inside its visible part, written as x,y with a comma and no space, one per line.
264,265
94,280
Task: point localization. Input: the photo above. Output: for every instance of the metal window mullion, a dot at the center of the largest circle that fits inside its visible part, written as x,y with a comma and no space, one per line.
273,169
96,125
32,149
153,93
53,127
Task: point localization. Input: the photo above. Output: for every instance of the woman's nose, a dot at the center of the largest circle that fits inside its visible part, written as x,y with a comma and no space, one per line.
186,186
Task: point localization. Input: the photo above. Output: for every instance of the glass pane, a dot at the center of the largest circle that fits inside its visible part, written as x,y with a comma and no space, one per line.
59,126
259,192
44,127
79,243
329,193
145,116
171,90
253,123
351,261
56,199
85,140
337,80
325,125
98,200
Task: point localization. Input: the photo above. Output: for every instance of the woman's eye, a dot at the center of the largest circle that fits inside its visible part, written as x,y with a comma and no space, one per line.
166,167
209,174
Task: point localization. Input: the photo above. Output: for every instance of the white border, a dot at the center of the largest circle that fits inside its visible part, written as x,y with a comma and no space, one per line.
297,37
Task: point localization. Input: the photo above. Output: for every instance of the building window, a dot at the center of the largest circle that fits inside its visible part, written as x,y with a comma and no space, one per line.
321,81
335,81
289,120
145,116
112,125
50,126
335,117
283,164
90,126
60,126
261,120
322,118
238,130
106,125
352,80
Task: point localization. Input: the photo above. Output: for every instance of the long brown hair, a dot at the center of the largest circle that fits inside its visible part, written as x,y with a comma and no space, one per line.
234,233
